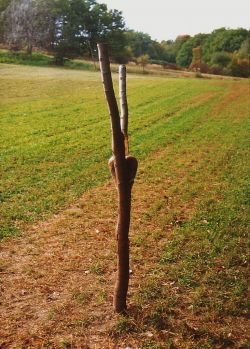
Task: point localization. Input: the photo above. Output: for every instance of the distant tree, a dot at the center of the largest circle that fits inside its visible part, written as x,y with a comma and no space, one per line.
4,4
180,40
244,51
143,60
26,23
223,40
239,67
83,23
169,51
185,54
3,23
69,28
139,42
171,48
196,55
221,58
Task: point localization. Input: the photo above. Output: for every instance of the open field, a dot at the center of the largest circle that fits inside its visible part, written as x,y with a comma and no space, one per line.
55,132
189,235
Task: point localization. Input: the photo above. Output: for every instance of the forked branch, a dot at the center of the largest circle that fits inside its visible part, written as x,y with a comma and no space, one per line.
123,169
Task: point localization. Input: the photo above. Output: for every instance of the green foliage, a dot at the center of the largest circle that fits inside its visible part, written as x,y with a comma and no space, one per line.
221,58
223,40
27,23
83,23
4,4
196,55
240,67
143,60
138,42
184,55
244,51
70,29
40,60
171,48
37,59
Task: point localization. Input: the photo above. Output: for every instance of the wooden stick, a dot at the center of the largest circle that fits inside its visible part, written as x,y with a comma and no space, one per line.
119,170
124,106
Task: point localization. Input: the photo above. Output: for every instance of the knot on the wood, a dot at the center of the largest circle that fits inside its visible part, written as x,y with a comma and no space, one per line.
131,167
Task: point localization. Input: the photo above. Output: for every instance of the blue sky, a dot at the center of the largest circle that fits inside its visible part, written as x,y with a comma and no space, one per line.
165,19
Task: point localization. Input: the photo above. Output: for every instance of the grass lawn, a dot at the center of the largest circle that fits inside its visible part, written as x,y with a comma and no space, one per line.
55,139
189,237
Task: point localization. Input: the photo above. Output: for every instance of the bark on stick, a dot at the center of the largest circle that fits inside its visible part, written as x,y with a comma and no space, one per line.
123,105
123,170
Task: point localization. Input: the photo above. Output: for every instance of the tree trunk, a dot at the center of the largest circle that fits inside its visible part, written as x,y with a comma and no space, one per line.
29,49
121,169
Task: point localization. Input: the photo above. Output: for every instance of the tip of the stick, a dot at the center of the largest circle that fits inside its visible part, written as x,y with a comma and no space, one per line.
102,45
122,67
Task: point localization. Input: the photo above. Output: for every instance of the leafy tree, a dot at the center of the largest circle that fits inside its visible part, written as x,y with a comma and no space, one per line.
171,48
4,4
196,58
221,58
169,51
223,40
27,23
244,51
69,28
143,60
184,55
138,42
83,23
240,67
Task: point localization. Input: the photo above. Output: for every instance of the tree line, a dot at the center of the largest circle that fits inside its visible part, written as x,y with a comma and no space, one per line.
72,28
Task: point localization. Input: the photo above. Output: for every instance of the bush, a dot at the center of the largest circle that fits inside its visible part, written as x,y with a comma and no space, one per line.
240,67
172,66
200,67
143,60
221,58
216,69
20,57
165,64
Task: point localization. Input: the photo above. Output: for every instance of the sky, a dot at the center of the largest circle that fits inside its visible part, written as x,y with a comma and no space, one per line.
166,19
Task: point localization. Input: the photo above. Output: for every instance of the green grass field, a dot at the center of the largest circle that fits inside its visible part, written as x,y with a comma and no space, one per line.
55,139
191,137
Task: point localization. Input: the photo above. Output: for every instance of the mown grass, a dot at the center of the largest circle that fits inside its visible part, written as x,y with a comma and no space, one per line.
55,134
189,243
195,294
